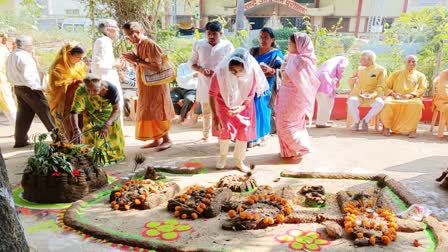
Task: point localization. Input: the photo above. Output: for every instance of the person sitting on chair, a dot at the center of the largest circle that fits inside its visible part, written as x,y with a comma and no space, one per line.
184,94
367,88
403,106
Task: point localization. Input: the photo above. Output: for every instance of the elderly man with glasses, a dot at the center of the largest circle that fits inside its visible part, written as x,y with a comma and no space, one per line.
22,72
367,85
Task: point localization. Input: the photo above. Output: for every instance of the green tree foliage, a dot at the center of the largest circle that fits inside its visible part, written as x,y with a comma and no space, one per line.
430,27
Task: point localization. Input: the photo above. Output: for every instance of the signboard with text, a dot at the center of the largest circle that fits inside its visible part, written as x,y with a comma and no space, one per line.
289,3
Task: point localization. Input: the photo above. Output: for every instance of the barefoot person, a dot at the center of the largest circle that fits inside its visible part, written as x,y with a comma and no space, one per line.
329,74
206,55
154,107
237,80
99,102
403,106
295,99
367,86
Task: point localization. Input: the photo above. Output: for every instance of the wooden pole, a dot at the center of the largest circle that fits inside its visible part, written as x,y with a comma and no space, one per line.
239,15
358,18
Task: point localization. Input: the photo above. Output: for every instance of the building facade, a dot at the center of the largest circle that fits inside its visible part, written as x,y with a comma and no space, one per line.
357,16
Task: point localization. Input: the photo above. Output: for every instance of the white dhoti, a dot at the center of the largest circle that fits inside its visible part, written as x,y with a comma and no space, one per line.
325,105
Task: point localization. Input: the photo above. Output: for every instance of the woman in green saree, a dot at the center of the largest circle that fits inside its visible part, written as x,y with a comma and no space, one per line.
99,102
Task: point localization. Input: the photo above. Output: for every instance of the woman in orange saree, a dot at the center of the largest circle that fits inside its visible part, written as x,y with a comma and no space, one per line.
154,109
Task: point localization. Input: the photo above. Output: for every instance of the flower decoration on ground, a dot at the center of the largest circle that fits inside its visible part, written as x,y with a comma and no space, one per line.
259,212
168,230
299,240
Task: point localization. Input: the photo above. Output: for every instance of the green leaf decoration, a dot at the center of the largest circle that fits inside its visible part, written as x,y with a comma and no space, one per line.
153,224
182,228
171,222
166,228
304,239
313,235
320,242
313,247
296,246
170,236
152,233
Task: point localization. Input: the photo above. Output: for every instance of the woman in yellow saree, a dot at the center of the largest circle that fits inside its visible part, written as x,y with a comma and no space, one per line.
65,75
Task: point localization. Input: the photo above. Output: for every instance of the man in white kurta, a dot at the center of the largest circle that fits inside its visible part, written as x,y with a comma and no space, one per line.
206,55
7,101
103,63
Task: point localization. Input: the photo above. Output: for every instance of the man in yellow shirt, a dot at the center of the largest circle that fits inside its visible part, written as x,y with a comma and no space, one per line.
367,86
403,105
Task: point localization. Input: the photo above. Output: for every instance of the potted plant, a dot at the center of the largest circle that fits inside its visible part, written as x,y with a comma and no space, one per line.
61,172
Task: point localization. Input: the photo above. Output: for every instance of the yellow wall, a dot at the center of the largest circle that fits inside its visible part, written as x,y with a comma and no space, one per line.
392,9
219,7
342,7
7,6
184,9
350,7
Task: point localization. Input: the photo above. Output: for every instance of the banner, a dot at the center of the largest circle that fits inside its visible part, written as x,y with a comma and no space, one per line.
289,3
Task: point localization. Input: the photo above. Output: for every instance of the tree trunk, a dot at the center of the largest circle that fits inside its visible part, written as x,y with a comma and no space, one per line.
12,237
239,15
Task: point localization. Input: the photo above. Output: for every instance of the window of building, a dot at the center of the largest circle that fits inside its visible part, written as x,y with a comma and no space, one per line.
331,22
72,12
305,1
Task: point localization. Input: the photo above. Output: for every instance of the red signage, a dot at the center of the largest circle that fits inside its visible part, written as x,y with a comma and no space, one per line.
289,3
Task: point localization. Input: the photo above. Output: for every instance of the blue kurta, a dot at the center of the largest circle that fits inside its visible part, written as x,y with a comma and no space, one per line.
274,59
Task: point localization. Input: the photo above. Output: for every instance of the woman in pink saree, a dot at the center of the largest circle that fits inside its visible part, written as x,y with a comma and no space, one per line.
296,97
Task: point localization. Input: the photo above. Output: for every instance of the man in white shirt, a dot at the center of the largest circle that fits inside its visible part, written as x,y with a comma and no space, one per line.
104,64
187,81
206,55
22,72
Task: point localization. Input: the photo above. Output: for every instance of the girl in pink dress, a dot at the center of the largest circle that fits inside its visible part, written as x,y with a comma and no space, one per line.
236,81
296,96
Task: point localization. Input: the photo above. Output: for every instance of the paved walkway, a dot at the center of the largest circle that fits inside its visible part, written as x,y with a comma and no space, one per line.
415,162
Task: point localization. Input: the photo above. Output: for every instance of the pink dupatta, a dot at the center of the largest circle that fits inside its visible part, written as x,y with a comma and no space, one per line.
301,70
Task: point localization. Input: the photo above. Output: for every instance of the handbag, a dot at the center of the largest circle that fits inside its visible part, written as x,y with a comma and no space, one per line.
166,74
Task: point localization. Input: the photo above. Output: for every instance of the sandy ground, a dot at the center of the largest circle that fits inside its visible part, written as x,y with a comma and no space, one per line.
415,162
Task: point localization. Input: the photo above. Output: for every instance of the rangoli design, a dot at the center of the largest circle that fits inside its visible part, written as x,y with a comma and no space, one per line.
300,240
168,230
